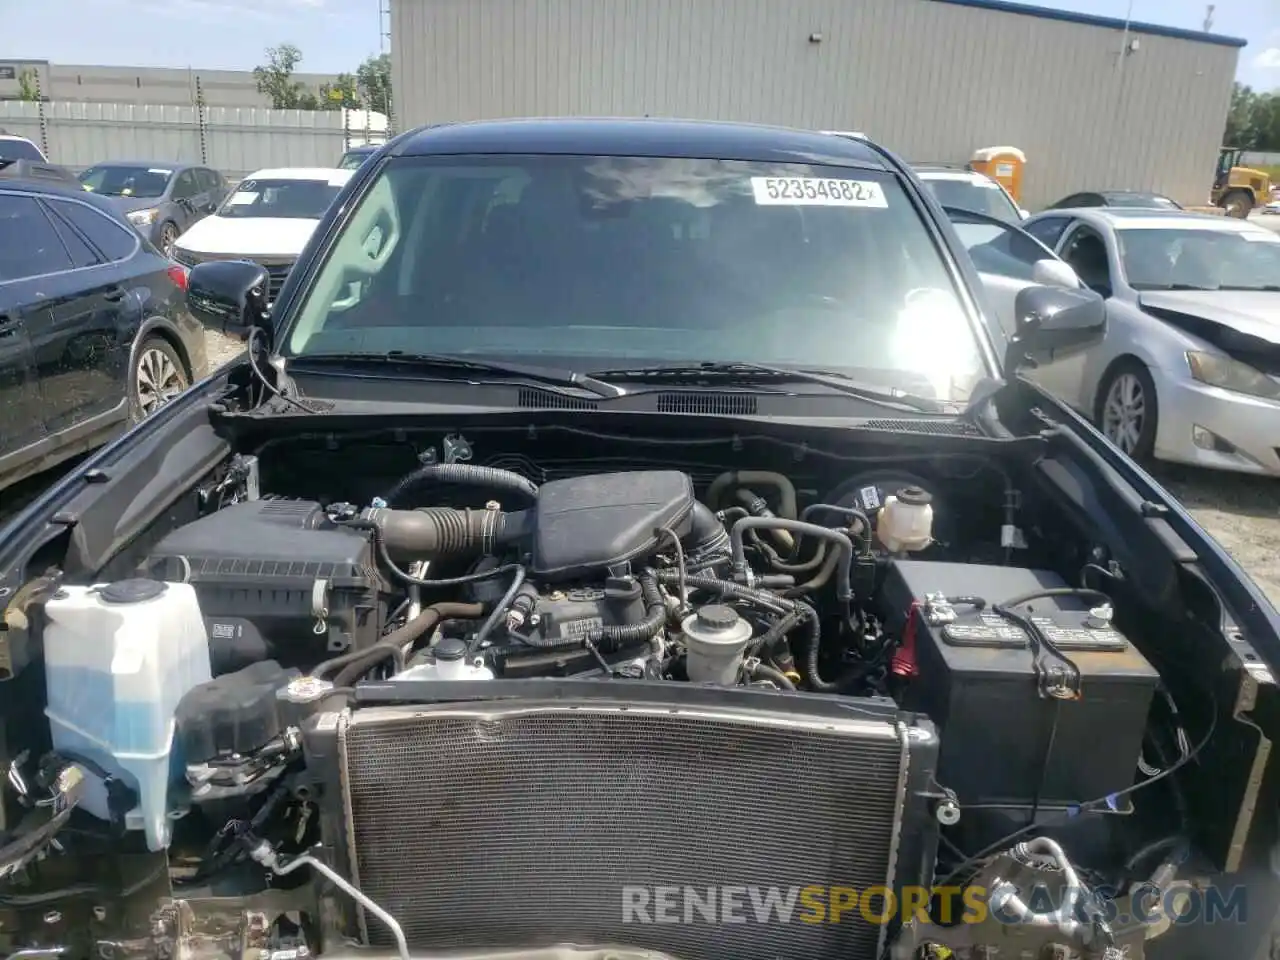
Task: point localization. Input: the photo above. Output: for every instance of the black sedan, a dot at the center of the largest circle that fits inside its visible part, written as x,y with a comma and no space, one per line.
1116,198
94,330
637,535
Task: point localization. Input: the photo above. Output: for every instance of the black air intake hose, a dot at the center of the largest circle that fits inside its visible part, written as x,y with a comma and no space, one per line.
706,534
414,534
464,473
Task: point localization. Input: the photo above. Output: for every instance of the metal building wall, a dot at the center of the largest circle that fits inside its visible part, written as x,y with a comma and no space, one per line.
931,80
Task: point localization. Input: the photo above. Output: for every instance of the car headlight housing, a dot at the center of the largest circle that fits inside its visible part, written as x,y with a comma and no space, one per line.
143,218
1219,371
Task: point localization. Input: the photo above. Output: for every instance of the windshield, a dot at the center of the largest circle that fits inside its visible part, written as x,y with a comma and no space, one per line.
127,181
1179,258
15,149
306,199
595,262
981,196
352,159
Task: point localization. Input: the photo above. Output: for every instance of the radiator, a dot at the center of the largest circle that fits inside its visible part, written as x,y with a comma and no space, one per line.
509,824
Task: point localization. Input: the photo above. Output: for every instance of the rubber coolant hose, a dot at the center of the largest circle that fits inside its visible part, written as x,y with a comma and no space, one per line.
761,671
464,473
844,590
754,478
415,629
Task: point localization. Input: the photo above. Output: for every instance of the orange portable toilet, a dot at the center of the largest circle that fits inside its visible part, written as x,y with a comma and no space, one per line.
1003,164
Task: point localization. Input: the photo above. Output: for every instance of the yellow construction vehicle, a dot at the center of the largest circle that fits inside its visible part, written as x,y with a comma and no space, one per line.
1239,189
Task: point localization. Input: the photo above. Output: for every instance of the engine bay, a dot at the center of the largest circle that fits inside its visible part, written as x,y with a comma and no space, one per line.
496,640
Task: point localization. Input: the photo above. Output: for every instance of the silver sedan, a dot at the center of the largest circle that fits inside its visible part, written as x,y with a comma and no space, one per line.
1189,370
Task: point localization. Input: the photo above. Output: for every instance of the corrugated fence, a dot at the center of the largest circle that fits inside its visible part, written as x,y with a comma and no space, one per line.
235,140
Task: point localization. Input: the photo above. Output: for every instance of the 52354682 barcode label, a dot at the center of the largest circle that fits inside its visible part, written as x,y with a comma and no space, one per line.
817,192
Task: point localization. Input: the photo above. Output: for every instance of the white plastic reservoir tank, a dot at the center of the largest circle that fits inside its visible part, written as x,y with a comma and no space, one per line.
118,658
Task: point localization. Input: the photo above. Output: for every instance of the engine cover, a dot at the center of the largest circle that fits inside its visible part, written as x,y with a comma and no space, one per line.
587,524
524,822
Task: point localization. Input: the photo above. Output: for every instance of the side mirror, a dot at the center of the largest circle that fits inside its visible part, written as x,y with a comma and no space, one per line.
1054,273
230,295
1052,321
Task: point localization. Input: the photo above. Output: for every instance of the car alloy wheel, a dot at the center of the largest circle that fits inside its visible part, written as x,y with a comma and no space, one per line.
158,377
1124,412
168,237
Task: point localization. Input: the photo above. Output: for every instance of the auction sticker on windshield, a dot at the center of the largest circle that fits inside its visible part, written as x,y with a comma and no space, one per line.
243,197
817,192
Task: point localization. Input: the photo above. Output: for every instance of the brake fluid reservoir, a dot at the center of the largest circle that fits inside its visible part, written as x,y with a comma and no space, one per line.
906,520
450,663
715,638
118,658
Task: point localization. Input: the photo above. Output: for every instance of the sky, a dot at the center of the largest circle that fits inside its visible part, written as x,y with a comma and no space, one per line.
336,35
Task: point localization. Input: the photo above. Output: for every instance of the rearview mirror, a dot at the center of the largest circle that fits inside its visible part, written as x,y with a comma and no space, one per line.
1052,322
1055,273
229,295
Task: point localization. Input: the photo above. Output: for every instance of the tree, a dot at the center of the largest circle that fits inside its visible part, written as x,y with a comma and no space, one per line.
344,92
373,78
275,80
1239,131
28,86
1253,120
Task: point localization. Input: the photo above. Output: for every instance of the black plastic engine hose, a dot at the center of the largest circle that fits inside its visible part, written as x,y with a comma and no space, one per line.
655,617
465,473
727,588
844,546
814,647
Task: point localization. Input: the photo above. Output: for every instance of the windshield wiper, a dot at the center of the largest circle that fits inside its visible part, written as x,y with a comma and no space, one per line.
447,362
1261,287
741,370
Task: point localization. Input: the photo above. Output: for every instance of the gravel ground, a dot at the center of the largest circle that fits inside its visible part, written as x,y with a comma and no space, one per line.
1242,513
221,348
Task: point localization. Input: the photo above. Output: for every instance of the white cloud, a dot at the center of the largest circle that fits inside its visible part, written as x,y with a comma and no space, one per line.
1268,59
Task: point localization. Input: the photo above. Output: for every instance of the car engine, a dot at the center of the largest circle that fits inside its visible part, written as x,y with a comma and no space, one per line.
478,709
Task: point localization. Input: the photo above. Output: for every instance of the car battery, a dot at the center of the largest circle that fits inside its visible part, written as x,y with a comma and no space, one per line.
975,677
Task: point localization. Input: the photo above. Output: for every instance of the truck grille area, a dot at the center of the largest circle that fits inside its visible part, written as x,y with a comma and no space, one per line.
506,825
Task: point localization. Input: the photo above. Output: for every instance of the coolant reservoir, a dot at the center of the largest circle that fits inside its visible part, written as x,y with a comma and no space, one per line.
118,658
450,664
715,638
906,520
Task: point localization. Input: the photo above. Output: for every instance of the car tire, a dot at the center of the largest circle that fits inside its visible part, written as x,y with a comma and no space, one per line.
156,377
168,237
1127,409
1237,204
